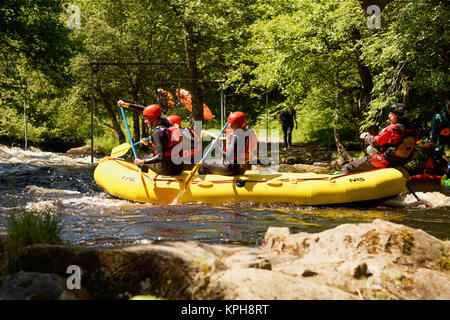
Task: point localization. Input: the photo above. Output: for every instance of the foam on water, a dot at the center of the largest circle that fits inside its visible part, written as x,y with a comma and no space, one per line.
437,199
18,155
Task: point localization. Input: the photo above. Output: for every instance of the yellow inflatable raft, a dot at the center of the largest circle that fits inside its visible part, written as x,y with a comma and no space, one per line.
123,179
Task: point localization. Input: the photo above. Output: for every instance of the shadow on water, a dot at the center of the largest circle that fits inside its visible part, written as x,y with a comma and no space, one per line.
93,218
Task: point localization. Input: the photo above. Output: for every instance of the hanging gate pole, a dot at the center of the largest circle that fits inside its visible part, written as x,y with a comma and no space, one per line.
92,115
25,120
222,110
267,118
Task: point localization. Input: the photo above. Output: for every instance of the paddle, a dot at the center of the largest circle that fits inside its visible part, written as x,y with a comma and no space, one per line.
134,151
128,131
120,150
194,170
422,201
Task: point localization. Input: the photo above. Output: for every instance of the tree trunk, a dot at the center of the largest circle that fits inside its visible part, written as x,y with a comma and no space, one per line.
192,71
363,70
406,77
340,148
112,115
190,47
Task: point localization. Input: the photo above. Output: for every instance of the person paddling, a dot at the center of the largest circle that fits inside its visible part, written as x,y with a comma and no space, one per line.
192,145
241,147
394,145
164,138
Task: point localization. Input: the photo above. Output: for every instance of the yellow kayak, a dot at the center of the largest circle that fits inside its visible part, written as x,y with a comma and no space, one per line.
124,180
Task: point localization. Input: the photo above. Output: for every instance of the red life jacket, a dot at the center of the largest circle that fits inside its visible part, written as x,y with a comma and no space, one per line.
251,146
174,135
196,146
397,141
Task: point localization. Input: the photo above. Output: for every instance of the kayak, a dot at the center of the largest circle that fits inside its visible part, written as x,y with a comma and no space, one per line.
124,180
426,177
431,178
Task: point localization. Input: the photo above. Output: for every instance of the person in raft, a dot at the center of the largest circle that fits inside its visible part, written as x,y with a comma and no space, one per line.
393,146
192,145
164,138
240,148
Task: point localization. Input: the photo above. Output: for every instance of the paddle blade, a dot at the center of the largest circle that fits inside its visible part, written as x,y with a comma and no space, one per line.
191,175
120,150
426,203
187,182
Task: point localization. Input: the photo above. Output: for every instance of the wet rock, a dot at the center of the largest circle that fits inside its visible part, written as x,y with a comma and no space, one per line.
80,150
378,260
370,259
34,149
321,164
303,168
337,164
38,286
257,284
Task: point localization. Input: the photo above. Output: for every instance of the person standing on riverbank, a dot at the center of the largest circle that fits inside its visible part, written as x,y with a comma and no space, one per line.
287,118
394,144
440,127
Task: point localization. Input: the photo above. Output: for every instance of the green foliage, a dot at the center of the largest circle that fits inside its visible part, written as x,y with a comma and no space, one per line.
104,143
34,37
12,126
27,228
318,55
409,57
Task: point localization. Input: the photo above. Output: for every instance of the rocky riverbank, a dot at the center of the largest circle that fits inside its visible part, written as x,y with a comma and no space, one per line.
379,260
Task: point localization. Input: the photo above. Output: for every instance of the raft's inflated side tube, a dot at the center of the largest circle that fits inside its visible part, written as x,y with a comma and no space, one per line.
123,179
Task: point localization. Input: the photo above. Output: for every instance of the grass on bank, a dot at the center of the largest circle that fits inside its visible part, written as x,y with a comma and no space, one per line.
26,228
29,227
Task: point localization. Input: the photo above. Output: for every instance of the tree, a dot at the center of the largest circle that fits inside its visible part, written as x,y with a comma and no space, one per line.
35,50
311,52
125,31
33,35
213,31
410,57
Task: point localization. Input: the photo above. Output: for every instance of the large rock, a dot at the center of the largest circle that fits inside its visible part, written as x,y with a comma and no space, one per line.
303,168
38,286
80,150
375,260
116,273
379,260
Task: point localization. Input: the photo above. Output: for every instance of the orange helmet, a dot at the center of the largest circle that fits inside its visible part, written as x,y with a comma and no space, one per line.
174,119
238,118
152,112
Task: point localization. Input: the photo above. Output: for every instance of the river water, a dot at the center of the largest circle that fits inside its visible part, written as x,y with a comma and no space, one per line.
61,183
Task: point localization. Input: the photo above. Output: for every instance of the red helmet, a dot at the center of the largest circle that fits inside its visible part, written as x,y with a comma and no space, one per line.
152,112
238,118
174,119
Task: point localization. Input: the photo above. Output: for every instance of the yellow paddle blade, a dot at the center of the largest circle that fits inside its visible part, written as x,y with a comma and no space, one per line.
191,175
120,150
186,183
